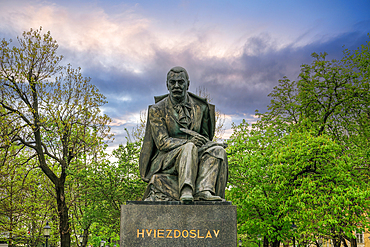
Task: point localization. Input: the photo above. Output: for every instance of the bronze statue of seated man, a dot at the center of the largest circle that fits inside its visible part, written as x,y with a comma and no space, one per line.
178,158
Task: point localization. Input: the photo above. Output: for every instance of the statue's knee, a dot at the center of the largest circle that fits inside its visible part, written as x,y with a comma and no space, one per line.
189,145
220,150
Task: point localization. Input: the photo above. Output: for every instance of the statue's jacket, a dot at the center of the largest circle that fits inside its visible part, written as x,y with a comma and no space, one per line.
163,136
163,133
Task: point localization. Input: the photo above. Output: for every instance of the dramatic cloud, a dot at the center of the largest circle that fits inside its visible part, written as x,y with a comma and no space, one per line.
238,52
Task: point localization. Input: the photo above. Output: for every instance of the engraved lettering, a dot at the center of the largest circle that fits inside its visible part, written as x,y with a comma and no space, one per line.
199,235
168,233
174,233
193,234
187,233
160,233
148,232
140,233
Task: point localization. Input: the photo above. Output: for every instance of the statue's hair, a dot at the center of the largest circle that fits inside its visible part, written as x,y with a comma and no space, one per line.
176,70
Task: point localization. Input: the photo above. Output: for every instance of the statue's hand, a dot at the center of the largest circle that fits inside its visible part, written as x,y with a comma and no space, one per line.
199,140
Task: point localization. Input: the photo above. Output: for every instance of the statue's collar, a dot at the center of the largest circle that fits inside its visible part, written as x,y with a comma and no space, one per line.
161,97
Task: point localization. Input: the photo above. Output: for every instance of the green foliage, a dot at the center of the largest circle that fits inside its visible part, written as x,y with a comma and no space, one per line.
306,160
105,186
299,178
50,110
25,200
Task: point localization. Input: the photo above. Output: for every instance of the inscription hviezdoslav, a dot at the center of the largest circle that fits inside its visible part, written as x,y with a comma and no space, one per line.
176,233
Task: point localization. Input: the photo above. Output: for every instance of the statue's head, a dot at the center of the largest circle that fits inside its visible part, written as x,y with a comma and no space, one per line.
177,83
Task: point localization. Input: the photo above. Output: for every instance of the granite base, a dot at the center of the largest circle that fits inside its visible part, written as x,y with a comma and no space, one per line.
176,224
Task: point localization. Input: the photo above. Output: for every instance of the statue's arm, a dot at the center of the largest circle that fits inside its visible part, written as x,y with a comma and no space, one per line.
159,131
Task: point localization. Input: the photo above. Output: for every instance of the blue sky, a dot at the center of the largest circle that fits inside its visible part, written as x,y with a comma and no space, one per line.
237,50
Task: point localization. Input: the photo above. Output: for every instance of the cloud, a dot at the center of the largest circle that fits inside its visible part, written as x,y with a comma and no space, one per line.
117,122
86,31
126,40
127,54
242,84
238,85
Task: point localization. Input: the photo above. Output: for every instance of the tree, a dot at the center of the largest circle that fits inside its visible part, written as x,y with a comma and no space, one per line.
299,178
110,184
57,108
25,202
254,186
332,95
306,160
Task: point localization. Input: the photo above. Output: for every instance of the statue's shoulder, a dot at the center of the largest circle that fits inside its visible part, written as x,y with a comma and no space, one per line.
160,98
198,99
160,103
202,101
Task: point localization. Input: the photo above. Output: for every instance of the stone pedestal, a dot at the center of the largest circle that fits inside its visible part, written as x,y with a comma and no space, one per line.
175,224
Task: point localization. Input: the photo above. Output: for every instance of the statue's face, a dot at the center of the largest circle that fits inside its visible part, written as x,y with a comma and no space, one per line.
178,85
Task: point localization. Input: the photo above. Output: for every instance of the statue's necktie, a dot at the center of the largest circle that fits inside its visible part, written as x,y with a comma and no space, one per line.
183,109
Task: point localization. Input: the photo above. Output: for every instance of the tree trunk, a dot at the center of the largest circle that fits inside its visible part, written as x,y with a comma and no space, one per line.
85,237
336,242
64,230
65,238
265,242
353,242
276,243
345,242
10,239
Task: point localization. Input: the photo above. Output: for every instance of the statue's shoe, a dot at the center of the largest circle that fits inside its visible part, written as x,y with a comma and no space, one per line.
186,197
206,196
